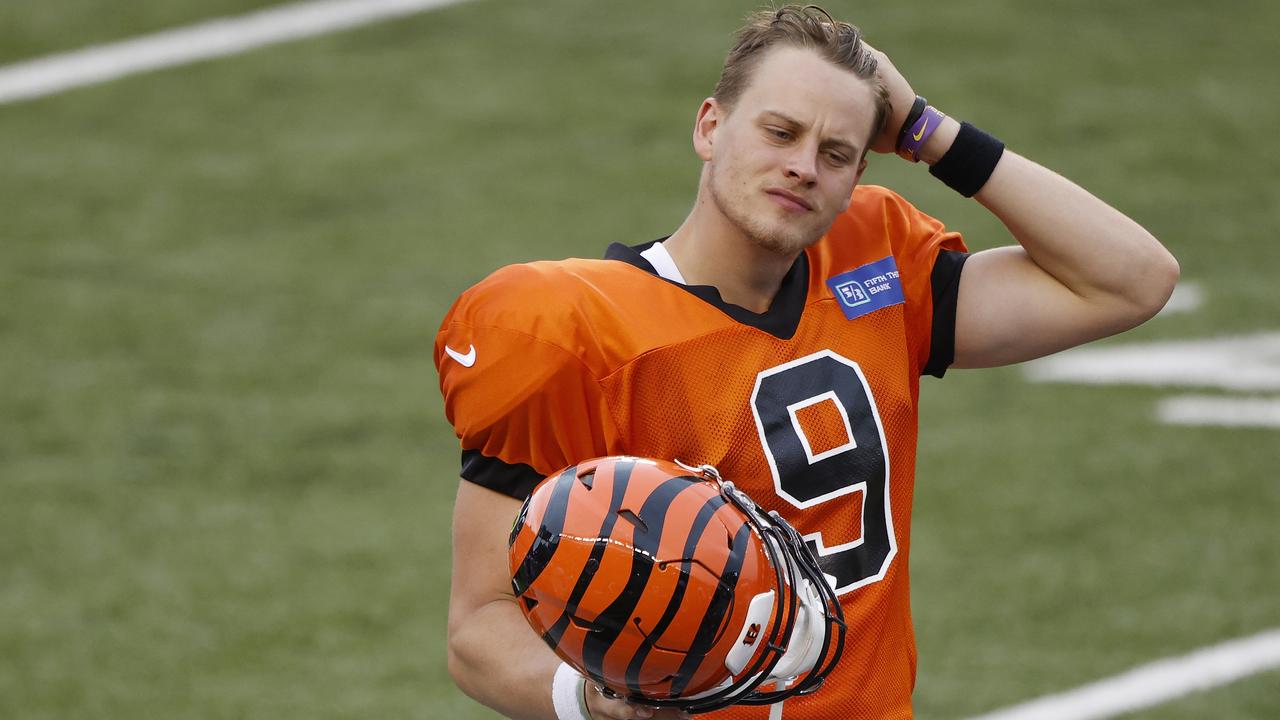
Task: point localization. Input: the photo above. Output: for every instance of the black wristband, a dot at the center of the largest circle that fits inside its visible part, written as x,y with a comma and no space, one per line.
969,162
917,109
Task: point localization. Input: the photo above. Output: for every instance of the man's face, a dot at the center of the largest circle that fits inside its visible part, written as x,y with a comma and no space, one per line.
783,163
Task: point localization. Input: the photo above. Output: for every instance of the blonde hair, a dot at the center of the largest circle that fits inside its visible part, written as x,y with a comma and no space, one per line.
809,27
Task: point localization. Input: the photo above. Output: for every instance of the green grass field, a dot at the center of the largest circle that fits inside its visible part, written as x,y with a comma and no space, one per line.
225,474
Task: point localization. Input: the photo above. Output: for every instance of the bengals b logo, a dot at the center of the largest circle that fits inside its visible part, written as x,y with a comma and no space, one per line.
753,632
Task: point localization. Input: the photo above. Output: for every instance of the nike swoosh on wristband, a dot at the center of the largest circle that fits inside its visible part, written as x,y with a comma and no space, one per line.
465,360
917,136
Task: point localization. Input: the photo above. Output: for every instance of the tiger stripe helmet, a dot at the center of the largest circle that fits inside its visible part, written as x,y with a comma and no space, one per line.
668,586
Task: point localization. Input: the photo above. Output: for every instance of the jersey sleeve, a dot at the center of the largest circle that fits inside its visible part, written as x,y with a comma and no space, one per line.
929,259
522,405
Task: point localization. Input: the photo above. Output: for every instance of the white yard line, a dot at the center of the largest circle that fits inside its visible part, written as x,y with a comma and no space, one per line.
193,43
1156,683
1249,363
1188,296
1220,410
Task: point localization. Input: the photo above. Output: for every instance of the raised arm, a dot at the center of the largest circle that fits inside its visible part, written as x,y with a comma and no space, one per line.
1082,270
494,656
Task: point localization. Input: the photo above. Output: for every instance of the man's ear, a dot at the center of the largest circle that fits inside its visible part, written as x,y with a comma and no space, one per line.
704,128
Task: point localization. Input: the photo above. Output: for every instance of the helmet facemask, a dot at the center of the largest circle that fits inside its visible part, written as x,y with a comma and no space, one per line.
798,656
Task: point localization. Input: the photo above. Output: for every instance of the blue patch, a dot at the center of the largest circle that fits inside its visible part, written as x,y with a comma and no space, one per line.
868,288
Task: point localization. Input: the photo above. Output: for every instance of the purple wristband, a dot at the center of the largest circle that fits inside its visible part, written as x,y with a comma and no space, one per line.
918,135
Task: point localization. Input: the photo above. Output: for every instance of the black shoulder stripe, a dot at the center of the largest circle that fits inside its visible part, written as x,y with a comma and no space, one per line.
610,623
515,480
721,604
622,473
946,291
548,538
700,522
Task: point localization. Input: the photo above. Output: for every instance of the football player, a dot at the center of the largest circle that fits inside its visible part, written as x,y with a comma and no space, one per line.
779,334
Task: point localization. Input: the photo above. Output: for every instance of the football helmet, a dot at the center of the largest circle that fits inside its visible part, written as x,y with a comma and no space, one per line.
668,586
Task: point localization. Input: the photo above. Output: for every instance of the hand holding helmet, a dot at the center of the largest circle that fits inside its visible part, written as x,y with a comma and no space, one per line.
669,587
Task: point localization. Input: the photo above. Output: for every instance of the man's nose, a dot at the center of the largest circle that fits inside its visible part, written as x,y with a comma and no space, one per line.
802,165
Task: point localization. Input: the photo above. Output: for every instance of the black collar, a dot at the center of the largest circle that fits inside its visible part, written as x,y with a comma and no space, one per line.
780,320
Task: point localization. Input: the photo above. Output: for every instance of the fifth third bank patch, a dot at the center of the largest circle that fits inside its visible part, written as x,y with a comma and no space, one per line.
867,288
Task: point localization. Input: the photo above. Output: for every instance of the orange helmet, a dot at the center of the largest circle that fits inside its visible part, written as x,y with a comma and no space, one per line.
668,586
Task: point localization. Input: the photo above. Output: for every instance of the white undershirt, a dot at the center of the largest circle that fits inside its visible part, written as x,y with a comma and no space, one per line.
661,261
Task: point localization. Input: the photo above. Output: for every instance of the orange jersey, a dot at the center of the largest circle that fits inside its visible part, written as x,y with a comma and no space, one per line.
811,407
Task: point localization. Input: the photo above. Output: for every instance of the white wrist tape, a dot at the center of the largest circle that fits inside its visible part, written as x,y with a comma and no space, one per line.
567,693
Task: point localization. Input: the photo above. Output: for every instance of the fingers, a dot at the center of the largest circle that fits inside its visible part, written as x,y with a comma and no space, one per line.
901,96
603,708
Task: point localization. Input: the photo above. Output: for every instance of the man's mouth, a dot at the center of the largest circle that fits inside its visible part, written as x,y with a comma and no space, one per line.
788,200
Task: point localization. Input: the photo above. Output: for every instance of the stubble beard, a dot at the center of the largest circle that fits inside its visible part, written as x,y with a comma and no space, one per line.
779,240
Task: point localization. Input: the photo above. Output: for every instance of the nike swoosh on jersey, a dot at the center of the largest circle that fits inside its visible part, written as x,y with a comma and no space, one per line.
917,136
465,360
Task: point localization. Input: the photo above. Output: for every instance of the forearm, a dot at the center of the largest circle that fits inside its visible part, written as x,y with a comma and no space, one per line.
497,659
1096,252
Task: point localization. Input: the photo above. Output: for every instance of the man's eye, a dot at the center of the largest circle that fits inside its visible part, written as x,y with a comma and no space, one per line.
779,133
838,159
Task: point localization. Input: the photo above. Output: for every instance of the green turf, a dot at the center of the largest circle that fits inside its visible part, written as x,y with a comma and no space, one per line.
225,476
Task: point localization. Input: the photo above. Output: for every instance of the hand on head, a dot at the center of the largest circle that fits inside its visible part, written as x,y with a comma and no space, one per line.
901,96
